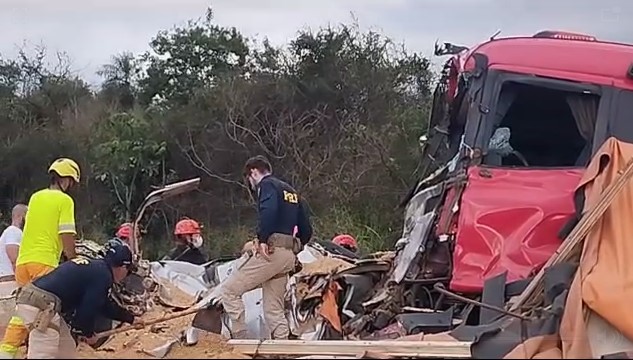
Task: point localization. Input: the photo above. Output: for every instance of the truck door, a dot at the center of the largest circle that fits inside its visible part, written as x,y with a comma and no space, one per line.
512,208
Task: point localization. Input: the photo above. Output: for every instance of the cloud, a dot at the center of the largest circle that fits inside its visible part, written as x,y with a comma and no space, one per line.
92,31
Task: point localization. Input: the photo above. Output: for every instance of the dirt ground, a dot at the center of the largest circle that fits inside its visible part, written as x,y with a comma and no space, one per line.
135,344
131,346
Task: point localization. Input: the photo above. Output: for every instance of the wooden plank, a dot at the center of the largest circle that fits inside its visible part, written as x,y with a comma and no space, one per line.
373,355
317,357
416,349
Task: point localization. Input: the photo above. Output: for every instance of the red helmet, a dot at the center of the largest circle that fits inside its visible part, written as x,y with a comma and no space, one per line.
124,231
187,227
345,241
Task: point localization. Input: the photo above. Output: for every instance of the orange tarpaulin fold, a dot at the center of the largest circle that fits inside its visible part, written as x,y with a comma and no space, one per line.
604,280
329,308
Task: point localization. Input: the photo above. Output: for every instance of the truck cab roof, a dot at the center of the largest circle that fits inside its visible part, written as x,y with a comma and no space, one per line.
569,56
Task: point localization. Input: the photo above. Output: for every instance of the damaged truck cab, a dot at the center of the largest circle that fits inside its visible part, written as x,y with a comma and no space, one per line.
514,123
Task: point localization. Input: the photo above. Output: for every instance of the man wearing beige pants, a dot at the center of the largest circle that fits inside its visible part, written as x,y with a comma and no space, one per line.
280,209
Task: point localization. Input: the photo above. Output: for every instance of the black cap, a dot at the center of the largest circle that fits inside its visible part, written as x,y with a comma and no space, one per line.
118,255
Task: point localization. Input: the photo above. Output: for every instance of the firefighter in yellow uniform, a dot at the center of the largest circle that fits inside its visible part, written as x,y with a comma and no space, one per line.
49,229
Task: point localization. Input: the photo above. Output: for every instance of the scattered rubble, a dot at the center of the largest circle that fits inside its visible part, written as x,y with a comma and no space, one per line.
209,346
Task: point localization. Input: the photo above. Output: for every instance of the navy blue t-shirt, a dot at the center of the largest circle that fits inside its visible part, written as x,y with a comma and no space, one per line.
83,286
280,209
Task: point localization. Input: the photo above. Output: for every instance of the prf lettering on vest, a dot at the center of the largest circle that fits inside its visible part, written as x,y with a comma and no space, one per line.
80,261
290,197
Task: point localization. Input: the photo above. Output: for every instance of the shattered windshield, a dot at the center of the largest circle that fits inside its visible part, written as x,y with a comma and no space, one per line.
539,122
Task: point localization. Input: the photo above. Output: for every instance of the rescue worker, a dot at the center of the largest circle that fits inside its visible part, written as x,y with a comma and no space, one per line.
346,241
189,241
280,209
64,304
49,231
123,236
124,232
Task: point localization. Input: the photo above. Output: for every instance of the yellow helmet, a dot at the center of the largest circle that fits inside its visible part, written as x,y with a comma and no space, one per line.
65,167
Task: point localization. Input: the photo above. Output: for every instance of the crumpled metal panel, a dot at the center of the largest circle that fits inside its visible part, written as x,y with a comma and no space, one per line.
509,220
418,220
185,276
181,267
302,322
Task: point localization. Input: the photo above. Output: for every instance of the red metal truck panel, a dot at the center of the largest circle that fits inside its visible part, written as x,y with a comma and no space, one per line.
599,62
509,219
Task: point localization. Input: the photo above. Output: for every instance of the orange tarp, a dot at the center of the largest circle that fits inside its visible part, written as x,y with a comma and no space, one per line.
603,283
329,309
604,280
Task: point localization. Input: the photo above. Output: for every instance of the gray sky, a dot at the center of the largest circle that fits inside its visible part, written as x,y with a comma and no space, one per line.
90,31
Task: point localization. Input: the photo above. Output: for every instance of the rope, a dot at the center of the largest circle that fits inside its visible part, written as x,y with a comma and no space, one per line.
259,344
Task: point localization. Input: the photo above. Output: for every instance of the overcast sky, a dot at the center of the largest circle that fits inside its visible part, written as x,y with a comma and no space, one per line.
90,31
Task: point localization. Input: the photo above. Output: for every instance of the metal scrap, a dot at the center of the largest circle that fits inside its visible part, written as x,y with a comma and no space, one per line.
160,351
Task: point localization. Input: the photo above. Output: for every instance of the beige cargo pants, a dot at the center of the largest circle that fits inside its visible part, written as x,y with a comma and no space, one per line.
55,341
272,276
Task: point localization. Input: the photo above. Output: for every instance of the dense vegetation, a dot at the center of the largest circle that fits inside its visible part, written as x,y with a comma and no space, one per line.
337,111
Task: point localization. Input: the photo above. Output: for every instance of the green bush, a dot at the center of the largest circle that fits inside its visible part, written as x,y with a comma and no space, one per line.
337,111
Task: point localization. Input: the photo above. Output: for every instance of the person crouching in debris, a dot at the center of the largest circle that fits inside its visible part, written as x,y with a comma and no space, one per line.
77,291
280,208
346,241
189,241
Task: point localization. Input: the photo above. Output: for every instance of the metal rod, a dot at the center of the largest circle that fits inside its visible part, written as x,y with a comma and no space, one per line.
441,289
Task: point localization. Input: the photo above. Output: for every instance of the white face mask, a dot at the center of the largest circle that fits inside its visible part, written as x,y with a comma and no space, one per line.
252,182
196,240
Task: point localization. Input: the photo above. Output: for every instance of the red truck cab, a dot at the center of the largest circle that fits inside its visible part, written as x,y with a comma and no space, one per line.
552,99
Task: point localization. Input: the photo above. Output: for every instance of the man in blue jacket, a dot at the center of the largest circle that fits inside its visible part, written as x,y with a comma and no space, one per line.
77,291
280,209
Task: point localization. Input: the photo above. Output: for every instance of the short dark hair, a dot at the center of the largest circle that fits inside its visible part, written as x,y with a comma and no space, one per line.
55,178
259,163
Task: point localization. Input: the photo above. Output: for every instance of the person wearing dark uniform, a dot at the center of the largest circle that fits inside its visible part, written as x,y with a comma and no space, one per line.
280,209
188,243
71,297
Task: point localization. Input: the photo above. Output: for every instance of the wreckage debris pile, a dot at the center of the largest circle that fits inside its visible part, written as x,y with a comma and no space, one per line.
314,278
323,266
